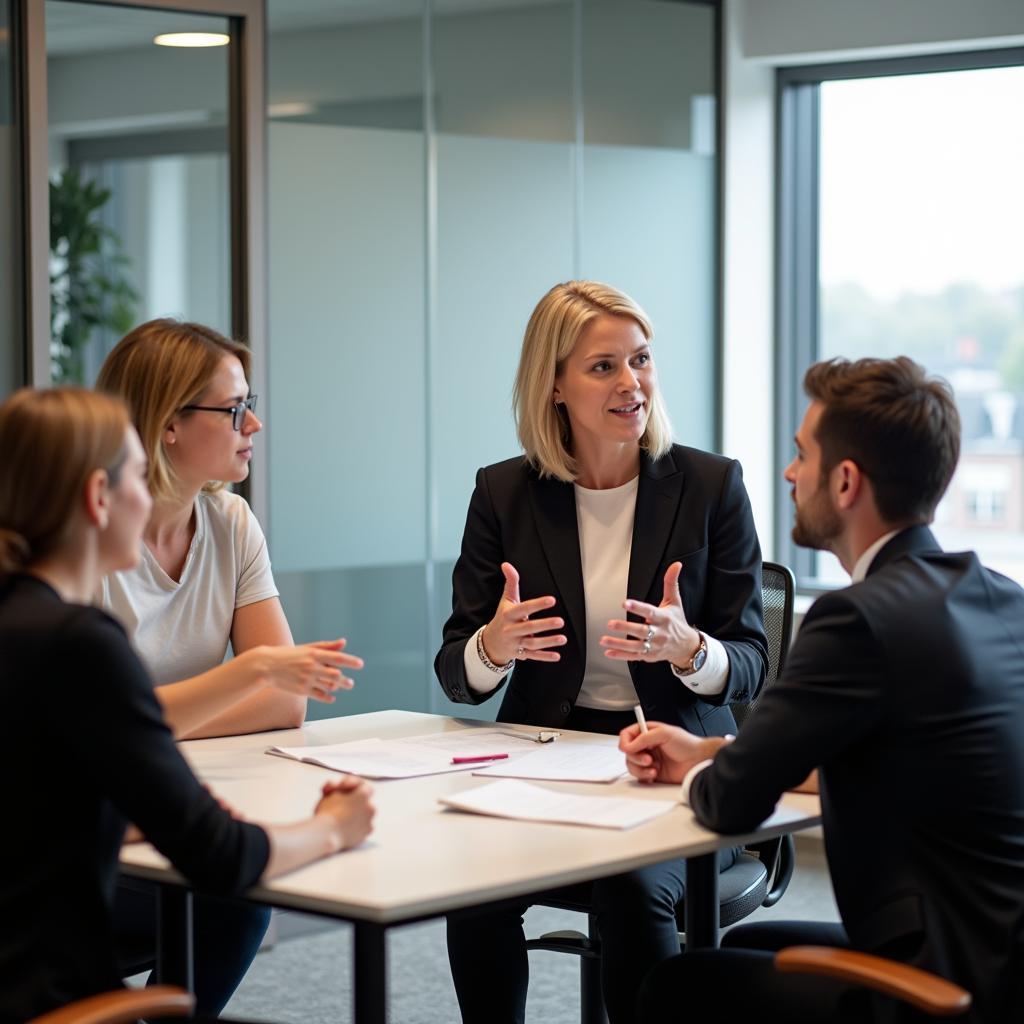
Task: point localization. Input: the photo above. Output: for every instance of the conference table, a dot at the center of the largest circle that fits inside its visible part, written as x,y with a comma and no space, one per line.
423,860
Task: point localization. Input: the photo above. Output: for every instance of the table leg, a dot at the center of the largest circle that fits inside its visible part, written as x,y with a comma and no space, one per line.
370,977
702,901
174,954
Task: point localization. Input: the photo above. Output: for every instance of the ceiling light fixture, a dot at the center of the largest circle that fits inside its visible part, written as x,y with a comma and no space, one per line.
192,39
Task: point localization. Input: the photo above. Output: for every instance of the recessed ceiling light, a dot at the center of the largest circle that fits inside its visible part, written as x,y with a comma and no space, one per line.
293,109
192,39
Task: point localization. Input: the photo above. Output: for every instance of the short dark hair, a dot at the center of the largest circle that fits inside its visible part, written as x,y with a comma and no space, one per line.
900,426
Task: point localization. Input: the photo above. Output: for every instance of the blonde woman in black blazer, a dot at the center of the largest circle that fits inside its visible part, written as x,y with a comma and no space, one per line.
605,567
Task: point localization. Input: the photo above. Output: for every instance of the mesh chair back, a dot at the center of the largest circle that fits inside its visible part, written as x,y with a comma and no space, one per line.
777,589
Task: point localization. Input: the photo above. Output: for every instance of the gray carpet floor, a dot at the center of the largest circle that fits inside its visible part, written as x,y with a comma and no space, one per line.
305,978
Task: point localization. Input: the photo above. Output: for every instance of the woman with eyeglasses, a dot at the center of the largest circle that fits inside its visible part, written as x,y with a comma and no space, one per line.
204,578
203,581
83,745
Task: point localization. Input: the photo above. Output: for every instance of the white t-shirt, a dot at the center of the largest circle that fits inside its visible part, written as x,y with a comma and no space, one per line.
182,628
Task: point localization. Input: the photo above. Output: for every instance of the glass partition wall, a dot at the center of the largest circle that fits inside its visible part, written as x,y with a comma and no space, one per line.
433,169
138,170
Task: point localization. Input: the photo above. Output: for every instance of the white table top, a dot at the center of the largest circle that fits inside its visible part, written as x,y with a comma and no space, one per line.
421,859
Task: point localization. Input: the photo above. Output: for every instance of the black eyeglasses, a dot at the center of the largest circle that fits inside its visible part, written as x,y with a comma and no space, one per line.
237,411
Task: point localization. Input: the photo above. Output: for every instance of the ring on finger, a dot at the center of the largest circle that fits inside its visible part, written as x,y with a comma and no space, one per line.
520,651
647,646
650,634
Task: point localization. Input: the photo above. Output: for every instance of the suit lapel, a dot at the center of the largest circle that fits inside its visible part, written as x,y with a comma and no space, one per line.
554,509
659,492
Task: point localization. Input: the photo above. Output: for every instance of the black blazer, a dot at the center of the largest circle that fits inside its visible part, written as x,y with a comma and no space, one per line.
907,691
691,506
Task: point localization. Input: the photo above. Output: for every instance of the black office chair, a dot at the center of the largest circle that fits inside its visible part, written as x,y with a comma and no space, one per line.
762,871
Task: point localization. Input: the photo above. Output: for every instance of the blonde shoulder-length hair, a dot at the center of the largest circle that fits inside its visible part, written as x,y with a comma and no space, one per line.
554,328
157,369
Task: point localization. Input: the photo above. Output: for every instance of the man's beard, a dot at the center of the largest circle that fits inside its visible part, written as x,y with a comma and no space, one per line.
816,523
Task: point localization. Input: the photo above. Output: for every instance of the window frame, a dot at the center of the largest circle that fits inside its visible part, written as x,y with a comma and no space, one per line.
797,321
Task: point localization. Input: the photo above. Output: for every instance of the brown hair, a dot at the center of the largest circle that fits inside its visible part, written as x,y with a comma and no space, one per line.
51,442
900,426
554,328
159,367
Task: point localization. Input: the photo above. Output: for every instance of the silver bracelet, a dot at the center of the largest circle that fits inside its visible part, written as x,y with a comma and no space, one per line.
500,670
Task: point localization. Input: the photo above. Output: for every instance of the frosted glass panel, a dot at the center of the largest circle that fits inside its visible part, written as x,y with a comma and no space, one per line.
417,215
658,247
649,185
504,238
382,613
505,70
345,425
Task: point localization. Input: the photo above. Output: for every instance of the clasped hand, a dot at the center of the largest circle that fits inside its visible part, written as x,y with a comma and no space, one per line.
663,635
348,802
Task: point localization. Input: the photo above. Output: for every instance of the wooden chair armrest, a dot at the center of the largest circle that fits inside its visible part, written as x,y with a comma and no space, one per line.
927,992
123,1006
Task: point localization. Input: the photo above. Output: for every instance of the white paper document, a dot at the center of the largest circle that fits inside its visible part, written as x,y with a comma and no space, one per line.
525,802
472,742
411,756
566,761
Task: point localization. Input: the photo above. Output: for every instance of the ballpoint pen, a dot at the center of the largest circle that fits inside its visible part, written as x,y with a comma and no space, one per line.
479,757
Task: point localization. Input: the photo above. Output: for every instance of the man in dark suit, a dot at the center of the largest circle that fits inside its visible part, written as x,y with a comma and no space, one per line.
905,693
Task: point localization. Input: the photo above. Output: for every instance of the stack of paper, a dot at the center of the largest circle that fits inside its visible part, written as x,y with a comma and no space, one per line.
524,802
409,757
566,761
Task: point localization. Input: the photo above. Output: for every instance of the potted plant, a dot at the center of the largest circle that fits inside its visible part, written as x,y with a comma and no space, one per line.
87,293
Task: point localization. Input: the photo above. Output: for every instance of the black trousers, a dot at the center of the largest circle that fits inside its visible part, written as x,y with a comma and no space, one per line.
635,915
226,937
738,983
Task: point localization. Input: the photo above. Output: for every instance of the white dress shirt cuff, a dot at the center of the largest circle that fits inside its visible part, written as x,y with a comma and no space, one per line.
480,678
684,790
712,676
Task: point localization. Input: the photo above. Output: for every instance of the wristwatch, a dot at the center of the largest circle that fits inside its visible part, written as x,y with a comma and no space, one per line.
696,663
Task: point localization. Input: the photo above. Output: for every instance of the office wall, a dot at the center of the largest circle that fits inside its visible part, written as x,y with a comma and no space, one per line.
429,179
792,31
409,244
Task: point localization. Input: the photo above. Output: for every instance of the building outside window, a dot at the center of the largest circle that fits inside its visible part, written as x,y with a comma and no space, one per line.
906,240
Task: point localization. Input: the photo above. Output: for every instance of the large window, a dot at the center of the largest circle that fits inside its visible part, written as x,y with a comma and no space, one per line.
901,221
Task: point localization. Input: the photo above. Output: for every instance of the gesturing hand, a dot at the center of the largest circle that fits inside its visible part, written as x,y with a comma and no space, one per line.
310,670
664,634
348,802
665,753
513,634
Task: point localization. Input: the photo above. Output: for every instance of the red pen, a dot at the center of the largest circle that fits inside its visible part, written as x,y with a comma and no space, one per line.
479,757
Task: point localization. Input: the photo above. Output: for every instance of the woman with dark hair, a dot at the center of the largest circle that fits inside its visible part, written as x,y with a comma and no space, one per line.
81,727
606,567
